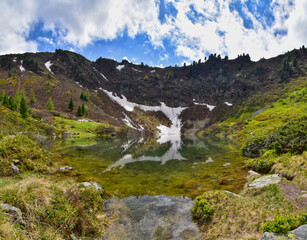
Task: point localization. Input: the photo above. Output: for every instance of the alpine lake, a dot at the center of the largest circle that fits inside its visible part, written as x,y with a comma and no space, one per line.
149,166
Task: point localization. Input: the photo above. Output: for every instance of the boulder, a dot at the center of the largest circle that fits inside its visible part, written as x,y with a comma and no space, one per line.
265,181
14,168
252,173
14,212
301,232
96,185
297,234
66,168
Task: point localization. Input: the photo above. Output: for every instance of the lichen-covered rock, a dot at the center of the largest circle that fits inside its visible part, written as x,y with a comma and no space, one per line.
301,232
14,168
96,185
14,212
252,173
265,181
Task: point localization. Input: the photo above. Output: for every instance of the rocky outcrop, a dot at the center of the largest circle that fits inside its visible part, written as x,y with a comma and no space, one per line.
265,181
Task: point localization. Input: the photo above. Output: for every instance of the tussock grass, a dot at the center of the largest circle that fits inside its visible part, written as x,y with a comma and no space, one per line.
51,209
242,218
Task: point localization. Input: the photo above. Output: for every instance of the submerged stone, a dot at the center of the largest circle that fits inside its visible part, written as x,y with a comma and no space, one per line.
156,217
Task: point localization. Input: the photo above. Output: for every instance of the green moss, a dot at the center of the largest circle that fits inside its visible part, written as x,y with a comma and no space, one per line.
201,210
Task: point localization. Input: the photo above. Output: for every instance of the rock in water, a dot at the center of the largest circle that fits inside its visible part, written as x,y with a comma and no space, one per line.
265,181
152,217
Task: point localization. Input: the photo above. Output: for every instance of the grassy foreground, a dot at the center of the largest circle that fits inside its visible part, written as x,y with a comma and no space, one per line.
272,127
51,205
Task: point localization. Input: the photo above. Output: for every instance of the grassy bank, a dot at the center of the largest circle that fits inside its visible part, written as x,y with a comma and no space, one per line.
272,128
50,205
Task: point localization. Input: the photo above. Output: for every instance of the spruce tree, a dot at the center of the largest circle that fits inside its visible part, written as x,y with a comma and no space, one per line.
23,108
50,105
5,100
11,104
71,104
32,97
2,95
82,96
79,114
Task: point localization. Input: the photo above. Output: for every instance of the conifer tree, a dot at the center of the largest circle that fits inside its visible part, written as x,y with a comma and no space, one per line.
5,100
32,97
50,105
11,104
71,104
2,95
82,96
23,108
79,113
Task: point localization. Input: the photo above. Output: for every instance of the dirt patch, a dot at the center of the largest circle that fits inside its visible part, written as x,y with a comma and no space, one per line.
294,194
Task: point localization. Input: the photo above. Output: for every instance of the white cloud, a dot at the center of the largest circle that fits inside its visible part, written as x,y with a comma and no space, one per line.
79,23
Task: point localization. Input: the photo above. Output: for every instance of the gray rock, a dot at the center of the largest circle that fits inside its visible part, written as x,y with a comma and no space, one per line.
236,195
265,181
66,168
73,237
252,173
273,236
14,168
14,211
96,185
301,232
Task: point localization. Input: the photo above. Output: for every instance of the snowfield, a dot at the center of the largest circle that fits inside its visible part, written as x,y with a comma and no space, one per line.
120,67
48,65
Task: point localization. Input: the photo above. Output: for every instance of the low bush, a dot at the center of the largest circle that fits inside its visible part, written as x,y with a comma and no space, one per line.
283,224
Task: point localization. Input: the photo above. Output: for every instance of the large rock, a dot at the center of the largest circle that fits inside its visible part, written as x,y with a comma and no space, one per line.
14,212
301,232
252,173
96,185
265,181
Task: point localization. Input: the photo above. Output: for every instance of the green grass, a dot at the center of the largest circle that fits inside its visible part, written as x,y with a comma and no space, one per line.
51,209
242,217
80,129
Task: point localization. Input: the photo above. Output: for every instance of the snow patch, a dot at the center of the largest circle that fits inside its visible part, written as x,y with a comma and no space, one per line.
79,85
22,69
120,67
15,59
129,122
134,69
101,74
48,65
172,113
228,104
153,71
211,107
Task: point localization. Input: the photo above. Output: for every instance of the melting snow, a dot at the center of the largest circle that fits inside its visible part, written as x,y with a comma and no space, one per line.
228,104
101,74
22,69
204,104
171,113
120,67
136,70
48,65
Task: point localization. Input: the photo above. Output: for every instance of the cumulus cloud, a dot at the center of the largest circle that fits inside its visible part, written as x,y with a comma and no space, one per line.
199,27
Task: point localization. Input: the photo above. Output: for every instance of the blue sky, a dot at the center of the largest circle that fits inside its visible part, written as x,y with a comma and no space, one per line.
156,32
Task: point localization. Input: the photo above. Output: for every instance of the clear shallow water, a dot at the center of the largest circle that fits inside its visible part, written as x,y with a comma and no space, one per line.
174,167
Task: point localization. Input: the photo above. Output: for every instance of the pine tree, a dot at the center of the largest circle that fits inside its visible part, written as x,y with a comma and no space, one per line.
79,113
71,104
5,100
2,95
82,96
23,108
11,104
50,105
32,97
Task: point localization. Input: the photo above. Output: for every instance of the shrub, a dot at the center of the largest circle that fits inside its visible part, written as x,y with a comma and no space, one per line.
281,224
201,210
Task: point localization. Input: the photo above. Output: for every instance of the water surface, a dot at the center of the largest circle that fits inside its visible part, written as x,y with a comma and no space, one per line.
173,166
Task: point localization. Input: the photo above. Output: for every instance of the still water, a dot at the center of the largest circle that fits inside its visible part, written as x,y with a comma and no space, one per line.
175,167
